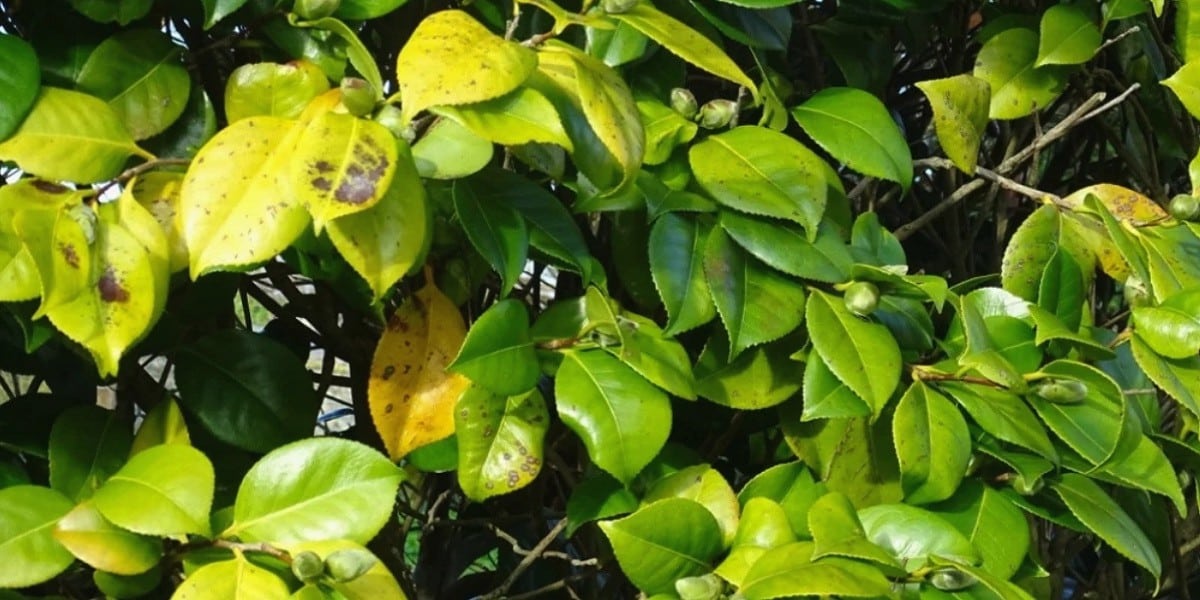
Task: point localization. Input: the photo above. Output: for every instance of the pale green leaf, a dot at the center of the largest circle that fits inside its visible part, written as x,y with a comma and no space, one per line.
1019,87
663,542
1068,36
30,553
960,116
164,491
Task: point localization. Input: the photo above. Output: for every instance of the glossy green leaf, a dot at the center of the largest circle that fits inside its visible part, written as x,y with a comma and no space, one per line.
684,42
706,486
933,445
756,303
786,247
341,165
663,542
215,10
661,360
236,578
290,494
1116,10
104,546
123,12
164,424
1002,414
388,240
762,172
355,51
450,151
30,553
852,456
862,354
441,63
997,528
913,535
1179,378
836,531
792,486
496,231
1108,520
1019,87
764,525
987,585
1186,84
272,89
71,136
665,128
872,244
960,116
20,77
522,116
1172,329
856,128
1068,36
760,377
677,244
236,183
825,396
622,419
986,354
139,74
127,586
88,444
361,10
598,496
164,491
499,441
1092,426
498,353
789,571
1140,463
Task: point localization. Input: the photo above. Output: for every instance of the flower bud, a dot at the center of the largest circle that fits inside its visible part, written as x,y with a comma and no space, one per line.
861,298
307,566
616,7
1061,391
1184,207
703,587
1135,292
349,564
949,579
389,116
684,102
717,113
358,96
310,10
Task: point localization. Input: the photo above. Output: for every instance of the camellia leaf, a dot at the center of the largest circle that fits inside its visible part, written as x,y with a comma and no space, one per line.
787,248
495,230
236,578
1171,329
622,419
598,496
158,193
449,150
236,186
41,247
342,165
996,527
215,10
410,393
1019,88
705,485
862,354
792,486
104,546
164,424
164,491
87,445
1121,202
933,445
246,389
452,59
1091,425
498,353
836,531
913,535
1186,84
1069,36
273,89
21,80
677,244
763,525
663,542
825,396
790,570
756,303
521,116
661,360
960,115
1002,414
1179,378
856,128
123,12
1092,506
126,290
385,242
30,553
316,489
139,74
499,441
361,10
762,172
684,42
551,227
71,136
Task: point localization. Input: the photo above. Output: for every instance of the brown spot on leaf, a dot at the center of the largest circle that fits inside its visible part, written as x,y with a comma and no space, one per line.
388,371
111,290
322,166
322,184
388,409
363,175
69,254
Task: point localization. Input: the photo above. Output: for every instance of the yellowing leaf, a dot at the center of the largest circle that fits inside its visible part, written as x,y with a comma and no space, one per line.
18,272
1124,203
960,115
520,117
411,394
277,90
126,286
158,192
342,165
57,231
452,59
71,136
236,206
384,242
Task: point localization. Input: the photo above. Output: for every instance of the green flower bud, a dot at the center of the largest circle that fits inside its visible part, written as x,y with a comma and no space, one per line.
349,564
1061,391
717,113
1135,292
310,10
703,587
358,96
949,579
616,7
684,103
307,566
861,298
389,116
1185,207
1025,487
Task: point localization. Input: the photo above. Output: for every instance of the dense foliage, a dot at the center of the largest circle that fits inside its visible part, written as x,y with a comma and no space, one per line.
751,299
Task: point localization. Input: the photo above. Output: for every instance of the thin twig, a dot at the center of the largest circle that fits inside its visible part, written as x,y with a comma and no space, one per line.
134,171
1124,34
527,562
994,177
551,587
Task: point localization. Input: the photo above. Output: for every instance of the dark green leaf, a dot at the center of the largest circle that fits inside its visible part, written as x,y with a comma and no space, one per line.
756,303
496,230
1105,517
20,78
677,244
933,445
498,353
87,445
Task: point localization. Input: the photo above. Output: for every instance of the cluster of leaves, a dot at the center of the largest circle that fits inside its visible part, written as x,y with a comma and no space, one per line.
579,308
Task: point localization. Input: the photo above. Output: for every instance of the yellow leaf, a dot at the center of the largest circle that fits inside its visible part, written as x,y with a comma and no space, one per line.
18,272
452,59
411,394
158,193
342,165
57,231
1124,203
236,206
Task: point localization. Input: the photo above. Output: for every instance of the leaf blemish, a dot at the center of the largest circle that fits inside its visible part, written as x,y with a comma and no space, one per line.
362,177
69,255
111,290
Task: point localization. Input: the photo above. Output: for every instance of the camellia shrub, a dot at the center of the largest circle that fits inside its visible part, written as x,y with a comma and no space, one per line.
745,299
